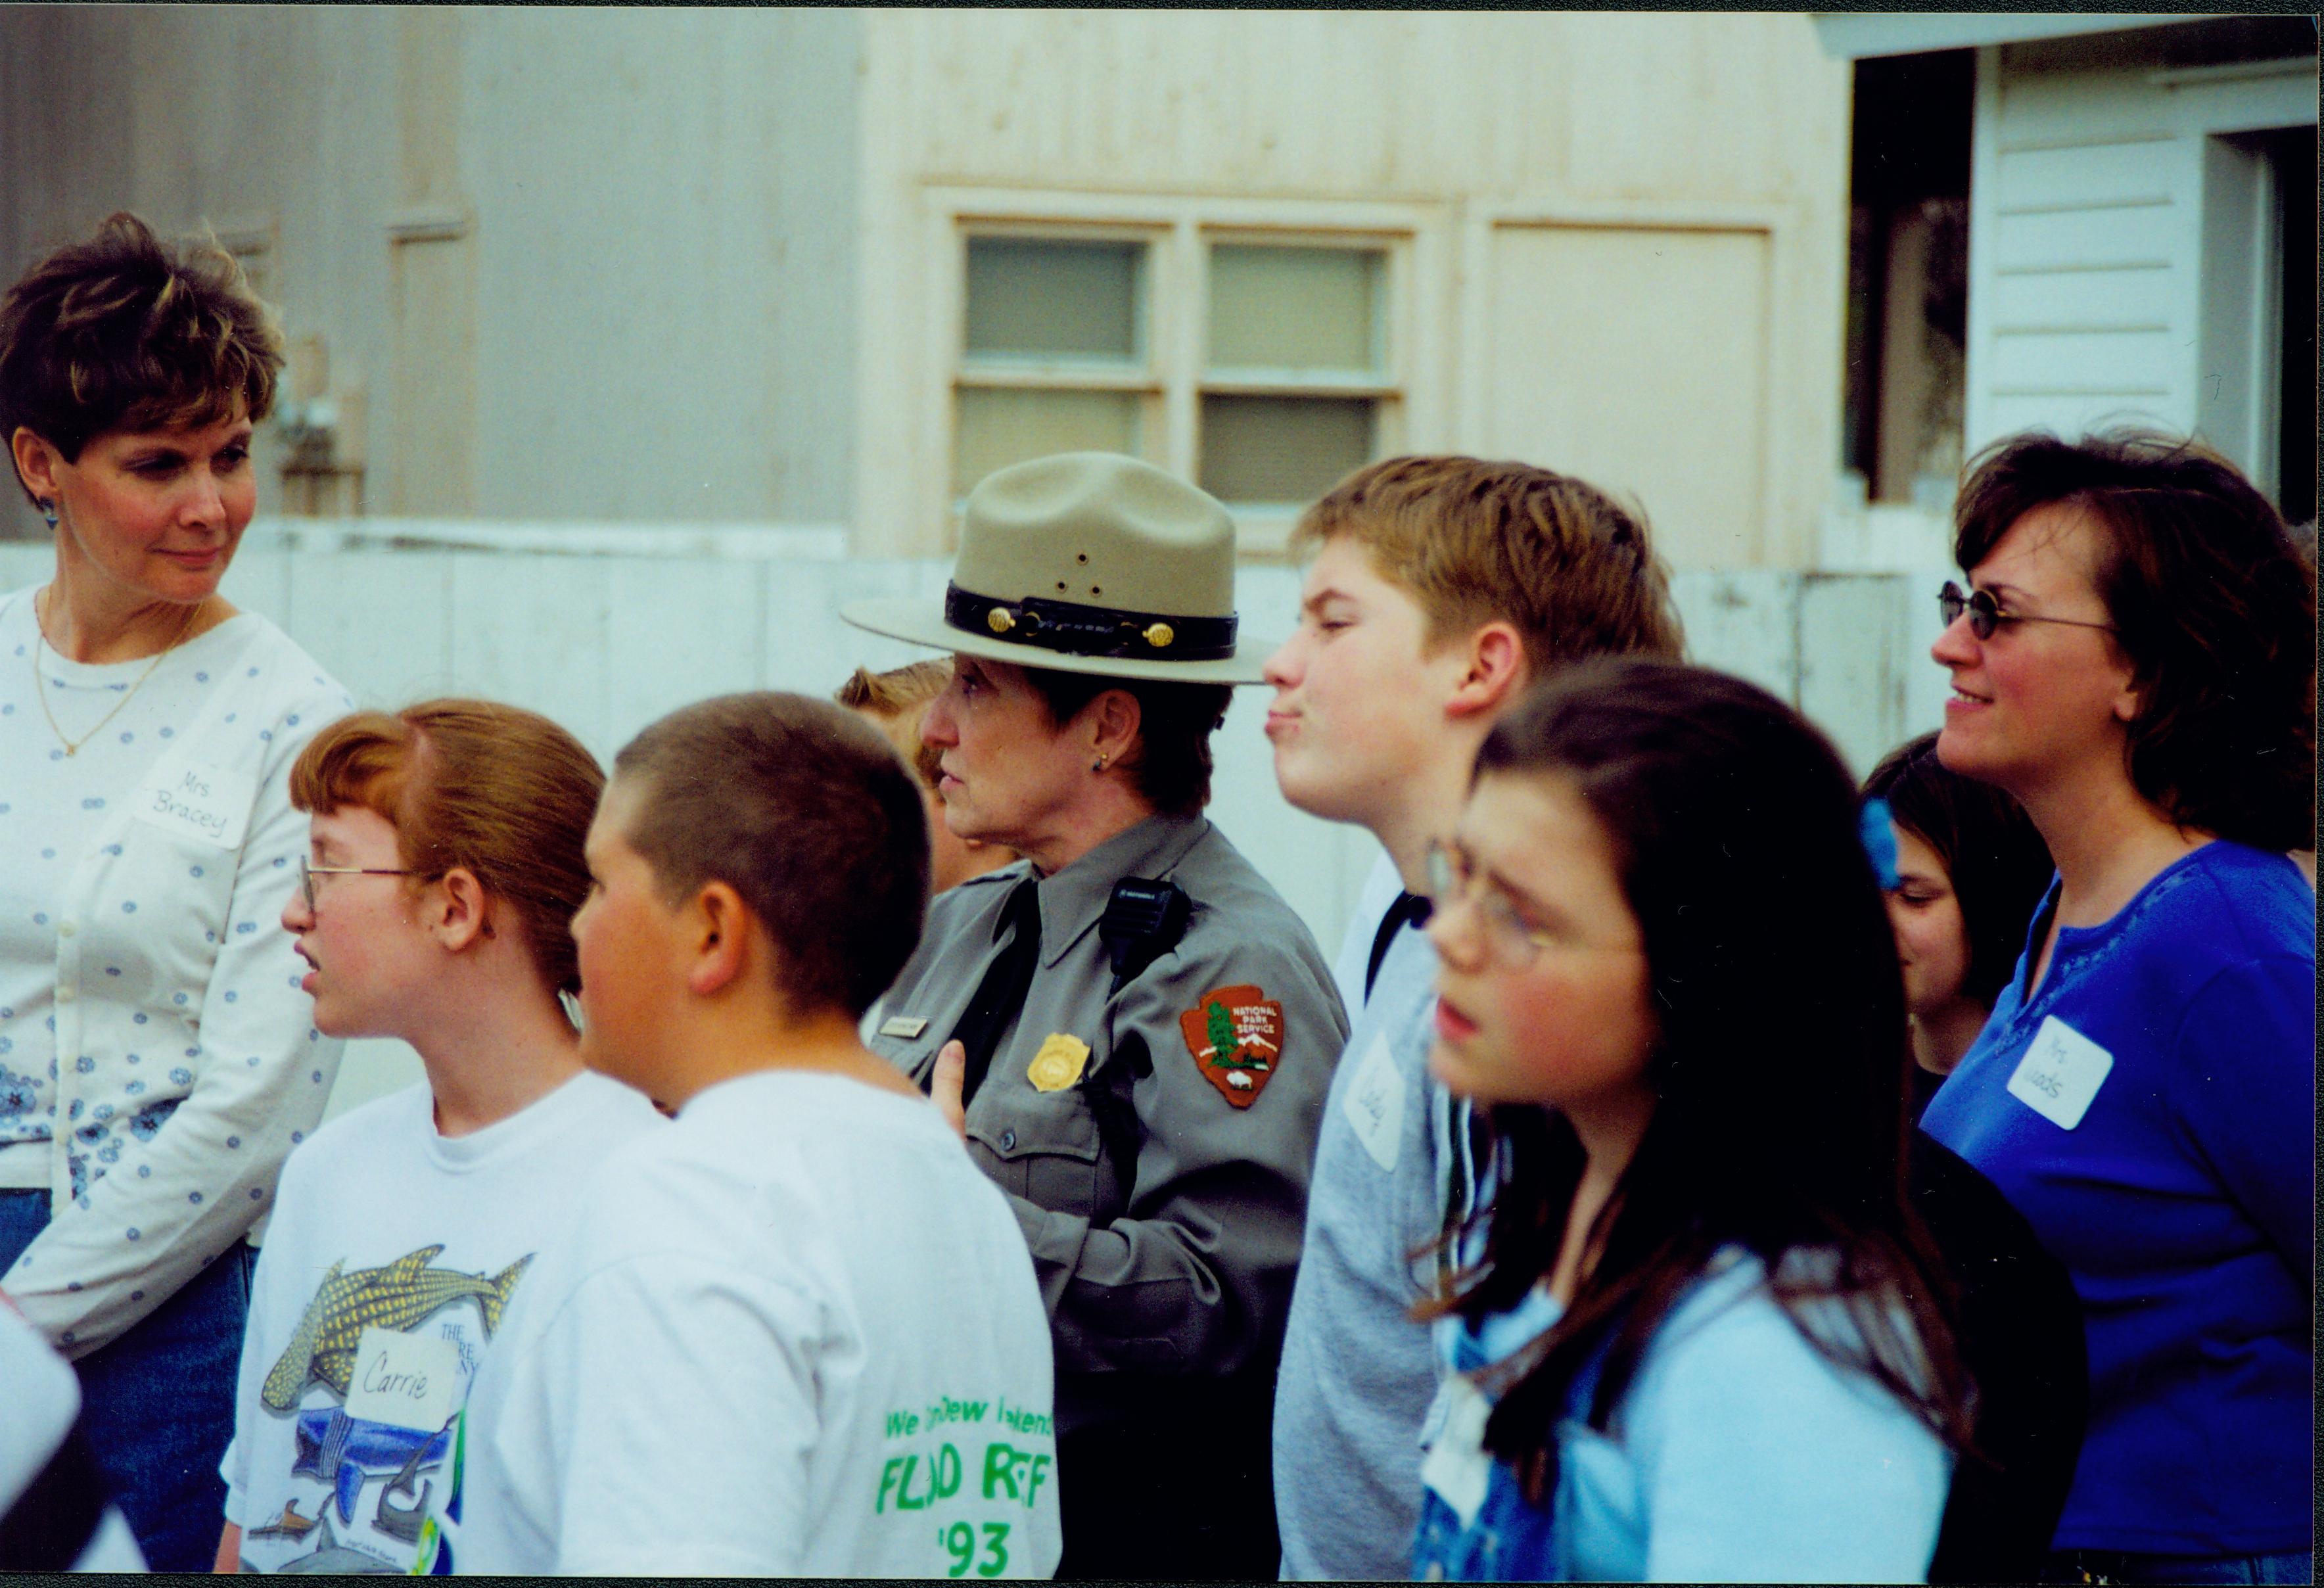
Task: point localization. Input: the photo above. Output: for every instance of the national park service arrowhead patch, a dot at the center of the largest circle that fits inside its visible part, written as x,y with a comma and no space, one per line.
1236,1036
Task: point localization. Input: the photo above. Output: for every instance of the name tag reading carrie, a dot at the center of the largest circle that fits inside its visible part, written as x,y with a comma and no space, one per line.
2061,1073
197,800
407,1380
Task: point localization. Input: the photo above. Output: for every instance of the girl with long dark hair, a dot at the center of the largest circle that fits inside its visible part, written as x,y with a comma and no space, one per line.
1699,1334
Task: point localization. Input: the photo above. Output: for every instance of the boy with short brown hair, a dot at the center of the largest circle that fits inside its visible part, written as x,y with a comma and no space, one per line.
797,1332
1440,588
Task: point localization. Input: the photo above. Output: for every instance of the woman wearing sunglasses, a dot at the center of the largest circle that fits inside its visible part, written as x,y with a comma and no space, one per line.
2132,662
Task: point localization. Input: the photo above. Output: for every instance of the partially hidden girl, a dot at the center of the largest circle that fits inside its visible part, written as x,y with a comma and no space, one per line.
1969,869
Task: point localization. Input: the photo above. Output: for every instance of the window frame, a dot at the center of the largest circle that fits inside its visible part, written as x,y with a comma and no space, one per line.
1139,376
1384,385
1414,311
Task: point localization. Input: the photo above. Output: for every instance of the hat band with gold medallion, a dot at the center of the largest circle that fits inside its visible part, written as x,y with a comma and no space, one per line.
1075,628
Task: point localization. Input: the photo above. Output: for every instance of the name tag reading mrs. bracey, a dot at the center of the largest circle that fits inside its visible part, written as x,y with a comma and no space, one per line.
196,801
409,1381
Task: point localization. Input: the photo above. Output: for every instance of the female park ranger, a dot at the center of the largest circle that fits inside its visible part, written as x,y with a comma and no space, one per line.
1138,1031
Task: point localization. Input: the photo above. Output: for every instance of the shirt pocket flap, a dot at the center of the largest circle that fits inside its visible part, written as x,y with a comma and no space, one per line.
1037,1124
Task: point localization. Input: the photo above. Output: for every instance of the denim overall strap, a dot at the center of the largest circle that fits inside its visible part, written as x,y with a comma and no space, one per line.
1509,1537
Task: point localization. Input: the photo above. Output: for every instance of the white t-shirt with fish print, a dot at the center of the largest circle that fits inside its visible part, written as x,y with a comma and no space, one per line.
389,1267
796,1334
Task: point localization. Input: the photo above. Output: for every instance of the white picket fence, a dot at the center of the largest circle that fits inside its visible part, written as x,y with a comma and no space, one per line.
606,629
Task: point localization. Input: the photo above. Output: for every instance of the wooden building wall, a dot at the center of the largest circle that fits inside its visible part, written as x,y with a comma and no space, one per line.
591,264
1622,236
693,265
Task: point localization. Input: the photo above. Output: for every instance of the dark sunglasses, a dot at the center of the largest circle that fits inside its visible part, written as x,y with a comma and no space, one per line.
1985,613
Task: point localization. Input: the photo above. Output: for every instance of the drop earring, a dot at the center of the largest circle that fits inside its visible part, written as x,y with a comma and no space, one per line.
49,512
1098,765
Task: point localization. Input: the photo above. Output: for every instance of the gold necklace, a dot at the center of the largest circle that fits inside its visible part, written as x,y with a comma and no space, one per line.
39,684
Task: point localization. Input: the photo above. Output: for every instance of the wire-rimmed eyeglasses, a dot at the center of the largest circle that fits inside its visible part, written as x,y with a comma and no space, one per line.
308,871
1986,614
1452,874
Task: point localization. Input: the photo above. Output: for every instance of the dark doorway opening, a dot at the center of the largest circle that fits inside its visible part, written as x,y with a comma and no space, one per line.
1908,272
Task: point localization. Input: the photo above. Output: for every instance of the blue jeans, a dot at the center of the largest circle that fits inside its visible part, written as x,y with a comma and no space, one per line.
1510,1540
2107,1565
157,1404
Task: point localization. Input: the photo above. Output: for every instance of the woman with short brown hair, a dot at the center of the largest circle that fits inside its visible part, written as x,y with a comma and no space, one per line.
156,1057
2133,663
1133,1030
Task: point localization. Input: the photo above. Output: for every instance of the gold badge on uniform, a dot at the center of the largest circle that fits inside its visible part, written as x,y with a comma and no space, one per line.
1059,1063
1236,1036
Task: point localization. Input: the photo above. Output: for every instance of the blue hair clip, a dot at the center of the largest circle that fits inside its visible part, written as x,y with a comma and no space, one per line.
1876,830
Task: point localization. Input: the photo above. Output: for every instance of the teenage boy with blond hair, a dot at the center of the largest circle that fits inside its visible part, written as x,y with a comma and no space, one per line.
1440,588
796,1333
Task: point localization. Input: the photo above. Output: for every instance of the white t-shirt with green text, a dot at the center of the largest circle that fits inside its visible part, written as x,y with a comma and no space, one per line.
796,1334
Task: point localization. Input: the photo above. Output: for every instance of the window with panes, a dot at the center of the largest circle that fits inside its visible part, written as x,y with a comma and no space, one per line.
1290,384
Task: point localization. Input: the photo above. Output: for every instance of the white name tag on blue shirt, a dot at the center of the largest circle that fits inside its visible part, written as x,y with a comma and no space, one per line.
2061,1073
197,800
409,1381
1457,1466
1374,1104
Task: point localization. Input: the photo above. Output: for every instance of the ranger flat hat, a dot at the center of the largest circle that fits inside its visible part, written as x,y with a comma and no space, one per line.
1087,562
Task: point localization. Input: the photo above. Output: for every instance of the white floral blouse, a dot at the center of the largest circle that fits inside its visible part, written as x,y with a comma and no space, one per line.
157,1058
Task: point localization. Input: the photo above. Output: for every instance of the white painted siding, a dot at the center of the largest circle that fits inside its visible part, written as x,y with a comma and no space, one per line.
2089,200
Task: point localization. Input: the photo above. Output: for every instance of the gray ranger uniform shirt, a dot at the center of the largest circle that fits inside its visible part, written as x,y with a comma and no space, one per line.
1162,1187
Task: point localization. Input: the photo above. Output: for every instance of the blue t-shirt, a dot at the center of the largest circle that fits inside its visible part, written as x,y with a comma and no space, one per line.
2150,1110
1738,1452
